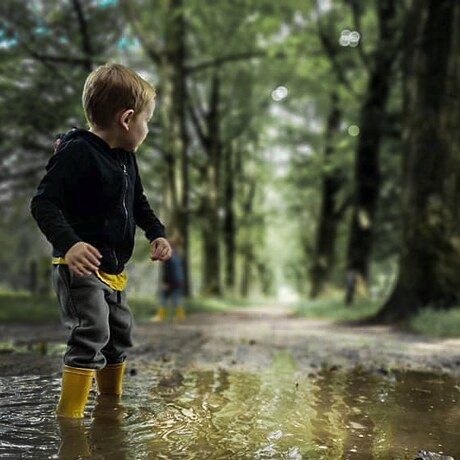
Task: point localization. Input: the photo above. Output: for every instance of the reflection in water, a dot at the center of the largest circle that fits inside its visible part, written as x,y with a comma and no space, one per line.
359,426
102,438
327,424
74,442
280,413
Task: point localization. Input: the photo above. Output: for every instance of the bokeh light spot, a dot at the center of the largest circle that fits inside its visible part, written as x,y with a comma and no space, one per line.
353,130
279,93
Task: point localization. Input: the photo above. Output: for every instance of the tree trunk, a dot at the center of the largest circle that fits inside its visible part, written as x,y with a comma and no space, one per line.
229,226
367,171
327,226
211,200
211,283
175,140
247,250
85,36
246,270
430,255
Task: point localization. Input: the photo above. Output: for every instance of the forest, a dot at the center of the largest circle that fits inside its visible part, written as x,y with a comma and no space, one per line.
299,148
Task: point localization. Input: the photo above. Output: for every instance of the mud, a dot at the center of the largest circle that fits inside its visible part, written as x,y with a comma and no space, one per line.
244,339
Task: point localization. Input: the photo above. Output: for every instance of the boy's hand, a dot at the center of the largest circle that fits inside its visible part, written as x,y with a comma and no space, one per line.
160,249
83,259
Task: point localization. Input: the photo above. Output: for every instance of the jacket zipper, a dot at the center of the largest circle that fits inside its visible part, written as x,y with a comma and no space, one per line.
125,190
125,208
116,258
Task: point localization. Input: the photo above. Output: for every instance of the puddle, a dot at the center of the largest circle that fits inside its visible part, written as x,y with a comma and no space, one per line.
281,413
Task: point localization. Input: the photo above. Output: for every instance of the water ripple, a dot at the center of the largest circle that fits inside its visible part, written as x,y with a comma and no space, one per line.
231,415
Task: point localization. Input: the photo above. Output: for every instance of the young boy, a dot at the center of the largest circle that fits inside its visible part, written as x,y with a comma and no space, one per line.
88,205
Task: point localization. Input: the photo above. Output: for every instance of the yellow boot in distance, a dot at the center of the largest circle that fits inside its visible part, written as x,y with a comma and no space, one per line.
180,314
76,383
110,379
160,316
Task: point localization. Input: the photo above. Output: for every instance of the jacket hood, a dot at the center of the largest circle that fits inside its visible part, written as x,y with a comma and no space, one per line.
78,133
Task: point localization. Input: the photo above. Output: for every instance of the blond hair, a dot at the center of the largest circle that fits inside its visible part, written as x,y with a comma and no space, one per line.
111,88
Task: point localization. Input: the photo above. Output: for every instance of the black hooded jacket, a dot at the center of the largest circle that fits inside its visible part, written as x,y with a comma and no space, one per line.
93,193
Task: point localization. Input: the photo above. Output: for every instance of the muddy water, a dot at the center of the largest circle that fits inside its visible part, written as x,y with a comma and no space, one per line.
281,413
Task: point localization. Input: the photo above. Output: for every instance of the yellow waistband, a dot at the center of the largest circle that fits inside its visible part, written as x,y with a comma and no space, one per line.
58,261
116,282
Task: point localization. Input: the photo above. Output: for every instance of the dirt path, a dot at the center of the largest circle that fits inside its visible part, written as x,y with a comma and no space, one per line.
246,339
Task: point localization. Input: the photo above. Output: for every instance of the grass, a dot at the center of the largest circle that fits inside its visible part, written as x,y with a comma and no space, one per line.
429,322
18,306
334,308
25,307
437,323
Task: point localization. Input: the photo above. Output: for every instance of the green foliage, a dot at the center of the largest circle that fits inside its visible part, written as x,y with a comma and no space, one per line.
45,56
437,323
25,307
278,146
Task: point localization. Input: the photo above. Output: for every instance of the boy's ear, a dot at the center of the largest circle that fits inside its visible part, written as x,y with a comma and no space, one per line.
125,118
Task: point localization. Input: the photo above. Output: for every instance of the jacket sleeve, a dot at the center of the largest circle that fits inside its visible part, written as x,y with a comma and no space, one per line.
144,216
48,203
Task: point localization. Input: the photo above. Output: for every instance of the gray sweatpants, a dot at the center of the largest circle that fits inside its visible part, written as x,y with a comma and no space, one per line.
98,317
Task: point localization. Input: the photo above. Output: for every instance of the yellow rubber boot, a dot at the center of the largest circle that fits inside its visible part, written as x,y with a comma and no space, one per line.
180,314
110,379
76,383
160,316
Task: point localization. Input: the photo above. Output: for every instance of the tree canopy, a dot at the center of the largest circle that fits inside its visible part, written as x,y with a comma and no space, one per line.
287,145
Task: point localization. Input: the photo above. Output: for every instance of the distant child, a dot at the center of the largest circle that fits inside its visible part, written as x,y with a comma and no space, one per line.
172,285
88,205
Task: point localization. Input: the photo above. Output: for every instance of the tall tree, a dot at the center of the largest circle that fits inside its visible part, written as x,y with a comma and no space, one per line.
208,130
367,165
222,108
229,221
163,38
330,214
430,254
46,52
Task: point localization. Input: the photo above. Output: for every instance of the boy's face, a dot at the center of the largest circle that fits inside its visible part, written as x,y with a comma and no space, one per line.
138,128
